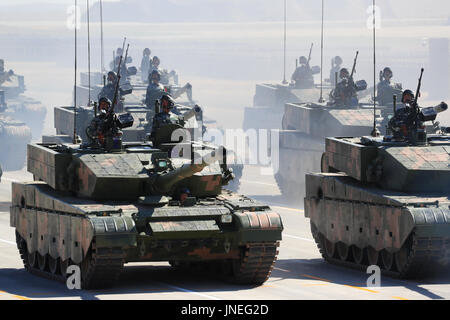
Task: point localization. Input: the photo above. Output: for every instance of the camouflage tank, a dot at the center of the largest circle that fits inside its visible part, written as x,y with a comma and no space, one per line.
14,137
100,210
21,107
384,201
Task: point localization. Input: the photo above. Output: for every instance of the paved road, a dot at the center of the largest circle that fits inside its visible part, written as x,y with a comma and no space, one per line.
299,272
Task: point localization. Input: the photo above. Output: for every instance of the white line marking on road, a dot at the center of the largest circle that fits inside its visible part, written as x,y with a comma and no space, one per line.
9,179
189,291
299,238
8,242
256,182
275,205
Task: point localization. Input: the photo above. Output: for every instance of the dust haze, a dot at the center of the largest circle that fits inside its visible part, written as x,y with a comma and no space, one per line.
223,48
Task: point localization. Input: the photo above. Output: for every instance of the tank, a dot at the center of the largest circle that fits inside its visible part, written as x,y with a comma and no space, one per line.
301,140
383,201
14,137
21,107
100,210
269,101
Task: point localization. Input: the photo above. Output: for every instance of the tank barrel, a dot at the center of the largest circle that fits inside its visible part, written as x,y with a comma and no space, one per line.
196,110
165,182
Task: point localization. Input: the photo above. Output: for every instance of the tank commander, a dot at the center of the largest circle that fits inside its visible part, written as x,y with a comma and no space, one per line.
345,92
109,89
386,89
104,125
336,63
146,65
156,90
166,116
303,75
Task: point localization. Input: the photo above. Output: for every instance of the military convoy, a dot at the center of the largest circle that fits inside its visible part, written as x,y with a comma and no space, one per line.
100,209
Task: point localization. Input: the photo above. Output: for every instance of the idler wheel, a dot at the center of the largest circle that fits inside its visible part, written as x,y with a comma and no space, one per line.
53,265
32,260
343,251
359,255
372,256
42,261
387,259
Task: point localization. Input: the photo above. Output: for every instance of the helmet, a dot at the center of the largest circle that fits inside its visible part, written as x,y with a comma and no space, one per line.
112,74
387,70
104,99
338,60
405,93
167,101
155,72
147,51
343,71
303,60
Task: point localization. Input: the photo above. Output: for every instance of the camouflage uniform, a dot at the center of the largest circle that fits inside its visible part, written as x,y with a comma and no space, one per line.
146,67
386,90
101,128
303,77
345,94
108,91
154,92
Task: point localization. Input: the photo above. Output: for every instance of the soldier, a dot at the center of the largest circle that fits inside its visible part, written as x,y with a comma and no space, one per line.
165,75
404,117
385,89
155,90
165,116
345,92
303,75
146,65
104,126
109,89
335,68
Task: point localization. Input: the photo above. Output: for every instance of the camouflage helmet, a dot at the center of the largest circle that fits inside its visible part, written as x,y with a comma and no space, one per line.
150,76
344,71
104,99
405,93
111,74
167,101
337,60
147,52
303,60
387,70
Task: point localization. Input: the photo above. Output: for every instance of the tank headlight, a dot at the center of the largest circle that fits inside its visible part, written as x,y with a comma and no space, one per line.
227,218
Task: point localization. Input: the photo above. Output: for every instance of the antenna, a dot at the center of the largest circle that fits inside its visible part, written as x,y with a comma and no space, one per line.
375,132
75,84
89,51
101,37
321,100
284,62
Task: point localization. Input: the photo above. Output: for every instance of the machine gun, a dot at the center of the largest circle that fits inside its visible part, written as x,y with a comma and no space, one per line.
310,52
354,66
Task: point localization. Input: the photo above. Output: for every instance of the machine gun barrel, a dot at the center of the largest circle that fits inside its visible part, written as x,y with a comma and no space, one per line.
310,51
354,65
418,89
196,110
165,182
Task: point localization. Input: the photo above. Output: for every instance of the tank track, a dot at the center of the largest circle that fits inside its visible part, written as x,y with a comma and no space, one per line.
424,255
100,268
252,268
256,263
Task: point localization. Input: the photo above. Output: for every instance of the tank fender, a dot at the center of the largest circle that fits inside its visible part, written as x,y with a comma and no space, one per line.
268,222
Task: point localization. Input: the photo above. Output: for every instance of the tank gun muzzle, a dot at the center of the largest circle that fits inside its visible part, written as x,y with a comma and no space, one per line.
166,181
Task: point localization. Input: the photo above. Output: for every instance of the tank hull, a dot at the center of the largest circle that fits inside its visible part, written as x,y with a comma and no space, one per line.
358,225
55,230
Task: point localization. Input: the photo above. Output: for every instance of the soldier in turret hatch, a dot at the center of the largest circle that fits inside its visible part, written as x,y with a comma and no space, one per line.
166,116
109,89
344,95
386,89
104,125
146,65
155,89
303,75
